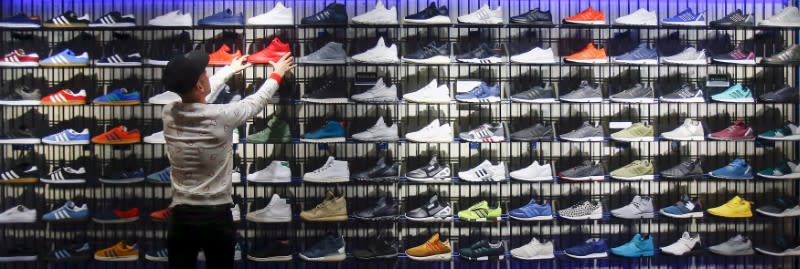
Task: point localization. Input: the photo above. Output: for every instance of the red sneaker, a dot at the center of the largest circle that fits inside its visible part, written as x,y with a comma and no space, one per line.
273,52
65,97
737,131
18,58
223,56
161,215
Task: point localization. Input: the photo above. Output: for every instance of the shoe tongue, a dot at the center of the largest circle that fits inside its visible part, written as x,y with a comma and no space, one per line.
432,5
433,199
434,160
585,83
275,198
381,201
434,237
686,236
590,46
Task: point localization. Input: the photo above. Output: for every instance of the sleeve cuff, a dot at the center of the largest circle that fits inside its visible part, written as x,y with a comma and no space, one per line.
276,77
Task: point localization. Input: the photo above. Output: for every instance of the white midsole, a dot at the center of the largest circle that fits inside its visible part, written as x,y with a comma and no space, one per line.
439,59
540,100
21,103
584,100
434,20
684,100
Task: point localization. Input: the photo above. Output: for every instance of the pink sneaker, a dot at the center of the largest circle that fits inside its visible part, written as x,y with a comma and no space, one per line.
737,131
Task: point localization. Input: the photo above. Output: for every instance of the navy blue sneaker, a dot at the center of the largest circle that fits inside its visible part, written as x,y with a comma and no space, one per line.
123,177
484,93
225,18
114,19
332,14
592,248
642,54
430,15
328,249
21,21
134,59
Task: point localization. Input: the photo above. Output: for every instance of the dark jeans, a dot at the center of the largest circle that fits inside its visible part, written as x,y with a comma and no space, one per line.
195,228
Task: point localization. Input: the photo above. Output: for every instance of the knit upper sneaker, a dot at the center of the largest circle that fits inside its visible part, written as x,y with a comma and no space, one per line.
690,130
589,54
687,93
430,15
640,131
592,248
640,207
330,248
532,211
535,16
585,210
536,94
690,168
686,17
637,93
736,207
587,170
585,93
781,246
788,17
735,246
484,15
642,54
735,18
736,169
636,170
587,132
378,93
484,250
587,16
331,132
689,55
481,212
782,208
737,132
685,208
687,244
639,246
537,132
782,170
378,132
432,250
380,54
737,56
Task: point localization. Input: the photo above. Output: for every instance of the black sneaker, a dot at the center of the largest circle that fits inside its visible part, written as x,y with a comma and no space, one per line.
382,210
19,135
430,15
782,246
225,96
274,251
21,173
736,18
17,254
534,17
65,175
432,172
622,43
74,253
786,94
114,19
381,172
68,20
537,132
22,96
790,56
432,53
684,170
484,250
332,14
163,50
377,248
329,248
536,94
434,210
483,54
123,176
670,44
331,92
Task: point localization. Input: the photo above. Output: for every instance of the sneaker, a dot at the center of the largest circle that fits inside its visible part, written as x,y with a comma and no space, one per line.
117,216
380,54
68,212
65,97
484,172
224,96
331,53
686,17
172,19
533,172
640,17
278,15
636,170
330,248
17,253
688,93
430,15
277,131
19,135
277,210
484,250
638,93
18,214
331,92
378,93
381,172
21,20
534,250
737,169
783,207
686,169
588,55
383,209
68,20
435,210
331,132
332,208
687,244
378,15
532,211
783,170
334,13
432,133
483,93
733,19
640,131
274,251
161,255
587,170
639,208
587,16
119,252
736,132
536,94
161,177
432,250
432,53
20,173
155,138
123,177
537,132
782,246
735,246
433,172
275,172
18,58
432,93
271,53
66,58
378,248
118,135
684,209
535,16
161,215
642,54
639,246
237,253
481,55
536,55
74,253
587,132
65,175
68,137
332,171
737,56
114,19
690,130
224,18
787,17
134,59
585,93
689,55
119,96
789,56
585,210
484,15
592,248
223,56
736,207
487,132
22,96
786,94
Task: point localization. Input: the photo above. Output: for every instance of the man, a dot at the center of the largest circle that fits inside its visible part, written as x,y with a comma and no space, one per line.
199,149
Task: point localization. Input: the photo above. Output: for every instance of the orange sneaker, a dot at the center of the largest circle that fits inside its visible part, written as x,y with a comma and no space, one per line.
161,215
587,16
431,250
590,54
223,56
273,52
119,252
118,135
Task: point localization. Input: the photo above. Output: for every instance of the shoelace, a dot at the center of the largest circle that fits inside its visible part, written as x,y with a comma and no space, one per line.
686,92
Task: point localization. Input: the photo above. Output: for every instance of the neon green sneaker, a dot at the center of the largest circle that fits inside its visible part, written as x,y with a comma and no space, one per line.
637,170
480,212
639,131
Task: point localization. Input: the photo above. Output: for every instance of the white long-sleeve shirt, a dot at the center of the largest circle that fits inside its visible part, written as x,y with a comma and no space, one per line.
199,145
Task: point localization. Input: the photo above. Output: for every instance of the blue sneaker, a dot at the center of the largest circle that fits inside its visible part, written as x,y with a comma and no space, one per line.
21,21
737,93
481,94
642,54
225,18
123,177
592,248
119,96
686,18
160,177
737,169
68,212
134,59
161,255
68,137
684,209
334,13
66,58
532,211
332,132
637,247
329,248
114,19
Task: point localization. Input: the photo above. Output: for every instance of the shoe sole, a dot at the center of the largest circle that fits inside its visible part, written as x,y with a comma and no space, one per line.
268,181
19,25
684,216
252,218
327,179
434,20
590,178
789,176
428,101
590,256
113,25
431,219
537,218
784,253
270,259
691,138
583,100
156,259
533,179
495,219
437,257
634,139
633,100
119,64
711,174
64,65
61,26
118,103
18,259
116,221
156,62
431,180
745,62
20,141
118,142
66,103
487,140
490,60
781,215
384,218
535,101
634,178
589,217
587,61
492,99
710,136
647,61
540,257
637,255
542,61
441,59
745,253
392,99
331,258
586,22
785,138
685,100
11,220
688,23
117,259
737,100
584,139
324,140
19,64
379,139
335,61
121,181
326,100
388,256
66,143
24,180
378,179
326,219
484,258
432,140
638,216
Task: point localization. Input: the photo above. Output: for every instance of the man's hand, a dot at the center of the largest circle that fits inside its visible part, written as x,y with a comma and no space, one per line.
284,65
238,64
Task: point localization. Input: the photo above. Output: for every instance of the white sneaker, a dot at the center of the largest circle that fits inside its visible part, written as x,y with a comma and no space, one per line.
684,244
534,250
484,15
331,172
430,94
236,177
378,93
378,132
639,17
484,172
380,54
690,130
378,15
236,212
533,172
689,55
432,133
536,56
156,138
278,15
275,172
18,214
788,17
172,19
278,210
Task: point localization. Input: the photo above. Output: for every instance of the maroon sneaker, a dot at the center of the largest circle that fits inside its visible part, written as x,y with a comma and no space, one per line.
737,131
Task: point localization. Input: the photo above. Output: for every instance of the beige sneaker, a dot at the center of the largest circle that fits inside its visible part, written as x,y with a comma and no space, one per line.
331,209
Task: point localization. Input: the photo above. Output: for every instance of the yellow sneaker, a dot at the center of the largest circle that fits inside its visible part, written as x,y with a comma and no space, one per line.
119,252
735,208
331,209
431,250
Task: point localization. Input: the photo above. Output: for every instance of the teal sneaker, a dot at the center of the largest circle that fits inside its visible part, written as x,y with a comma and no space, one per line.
637,247
332,132
735,94
788,132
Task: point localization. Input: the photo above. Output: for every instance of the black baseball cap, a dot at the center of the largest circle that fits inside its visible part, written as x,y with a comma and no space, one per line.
182,72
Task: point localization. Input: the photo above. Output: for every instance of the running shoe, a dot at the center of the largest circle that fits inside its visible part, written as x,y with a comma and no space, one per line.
789,132
223,56
378,15
736,170
483,93
430,15
736,132
334,13
587,16
487,133
737,93
432,250
532,211
271,53
686,17
589,55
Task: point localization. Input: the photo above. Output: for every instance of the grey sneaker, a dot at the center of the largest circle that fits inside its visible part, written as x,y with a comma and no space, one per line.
435,210
786,94
637,94
587,132
379,93
790,56
688,93
689,55
736,246
433,172
22,96
537,132
684,170
582,211
584,94
487,132
639,208
378,132
788,17
536,94
331,53
587,170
